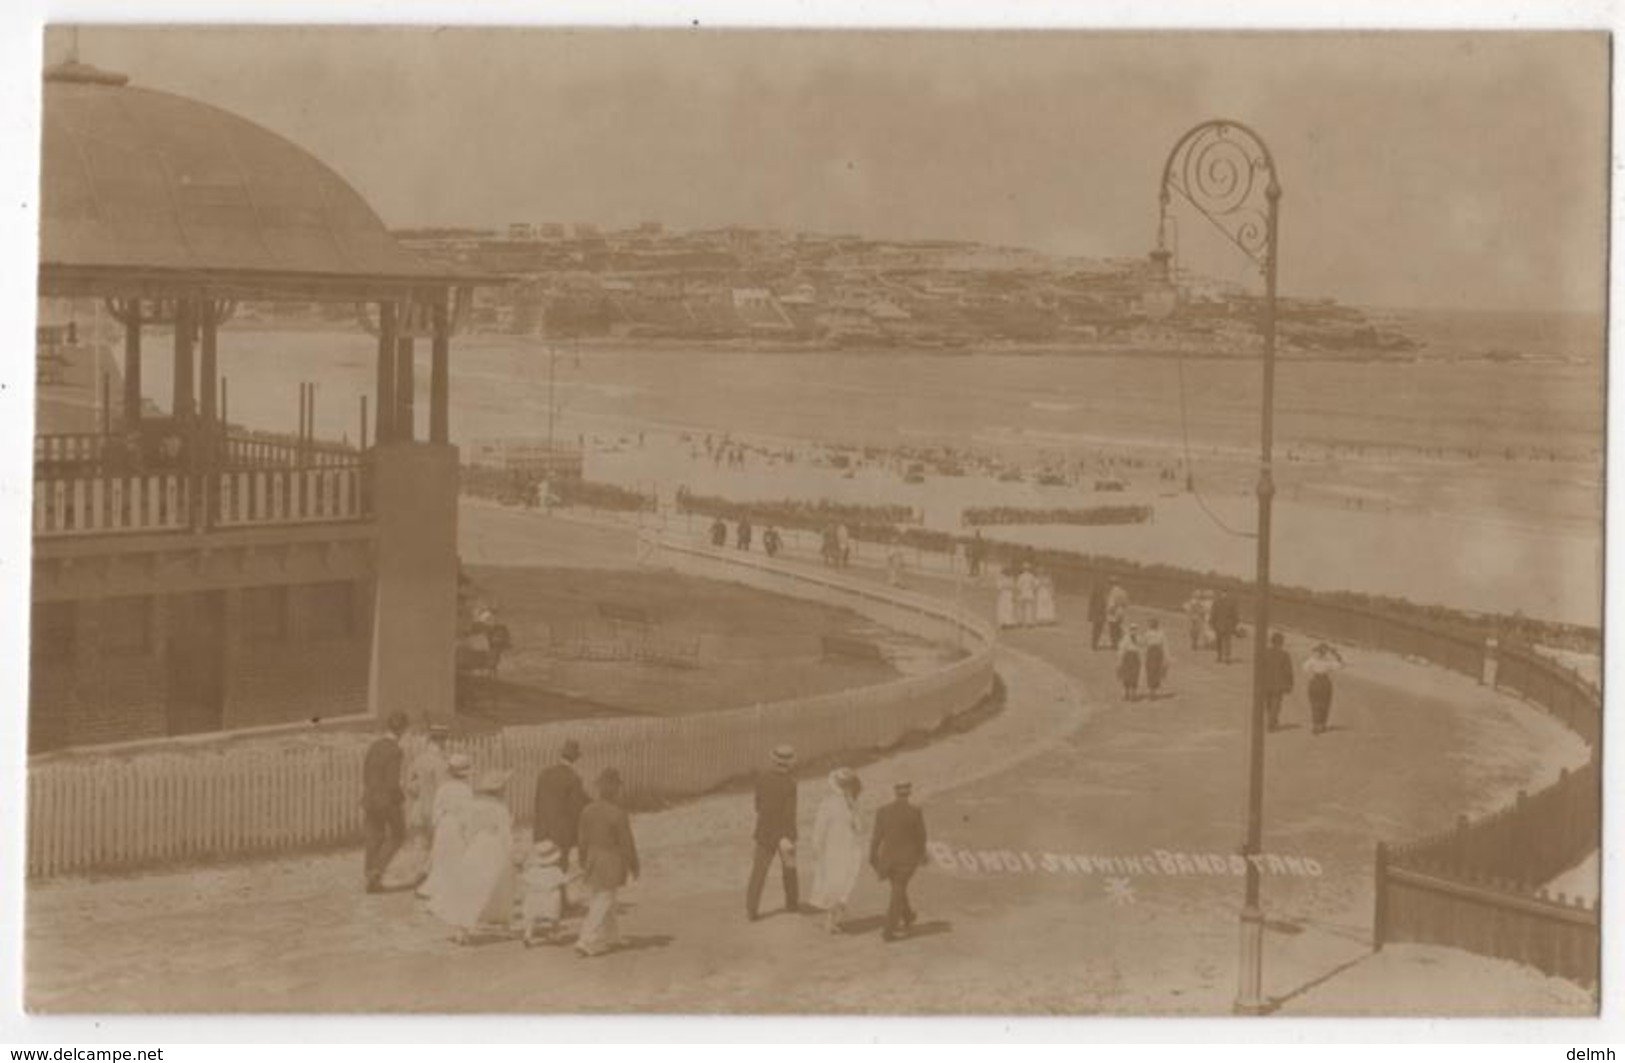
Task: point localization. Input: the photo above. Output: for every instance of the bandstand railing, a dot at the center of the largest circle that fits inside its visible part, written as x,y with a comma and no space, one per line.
85,486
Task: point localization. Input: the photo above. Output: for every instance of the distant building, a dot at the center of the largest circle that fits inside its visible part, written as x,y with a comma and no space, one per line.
551,230
521,230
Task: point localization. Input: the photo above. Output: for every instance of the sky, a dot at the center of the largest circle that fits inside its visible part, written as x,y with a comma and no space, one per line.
1462,171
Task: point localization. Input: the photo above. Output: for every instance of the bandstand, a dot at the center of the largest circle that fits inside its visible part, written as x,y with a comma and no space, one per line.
189,577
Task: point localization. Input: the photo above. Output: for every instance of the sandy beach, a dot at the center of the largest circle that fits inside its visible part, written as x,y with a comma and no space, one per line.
1474,485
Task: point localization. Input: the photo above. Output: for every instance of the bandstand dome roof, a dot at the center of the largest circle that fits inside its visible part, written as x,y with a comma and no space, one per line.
135,181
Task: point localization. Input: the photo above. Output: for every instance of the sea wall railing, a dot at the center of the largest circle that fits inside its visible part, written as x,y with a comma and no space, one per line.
105,812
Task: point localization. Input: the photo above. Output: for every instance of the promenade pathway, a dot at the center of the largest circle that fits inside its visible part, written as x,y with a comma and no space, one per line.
1066,768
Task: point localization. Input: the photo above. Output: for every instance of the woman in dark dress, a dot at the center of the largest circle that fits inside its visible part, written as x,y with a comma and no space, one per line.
1128,662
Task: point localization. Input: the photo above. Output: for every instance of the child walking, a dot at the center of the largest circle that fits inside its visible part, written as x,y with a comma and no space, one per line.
542,906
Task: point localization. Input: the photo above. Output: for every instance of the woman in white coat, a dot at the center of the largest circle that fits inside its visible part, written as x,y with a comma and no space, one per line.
449,814
482,886
837,845
1004,606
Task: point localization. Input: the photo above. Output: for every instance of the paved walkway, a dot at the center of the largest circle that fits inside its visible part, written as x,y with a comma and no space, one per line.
1066,768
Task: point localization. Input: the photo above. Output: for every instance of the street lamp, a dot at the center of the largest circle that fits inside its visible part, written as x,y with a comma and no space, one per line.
1224,170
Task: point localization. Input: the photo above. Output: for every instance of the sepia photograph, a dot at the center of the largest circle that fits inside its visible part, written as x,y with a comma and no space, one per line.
803,522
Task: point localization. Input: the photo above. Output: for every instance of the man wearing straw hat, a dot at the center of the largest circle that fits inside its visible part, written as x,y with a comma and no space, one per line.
383,802
896,851
775,832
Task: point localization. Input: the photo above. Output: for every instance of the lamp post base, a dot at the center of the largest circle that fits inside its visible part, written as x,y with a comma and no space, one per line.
1249,989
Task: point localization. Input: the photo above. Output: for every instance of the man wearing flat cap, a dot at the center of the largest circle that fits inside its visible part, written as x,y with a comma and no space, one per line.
560,799
896,852
775,832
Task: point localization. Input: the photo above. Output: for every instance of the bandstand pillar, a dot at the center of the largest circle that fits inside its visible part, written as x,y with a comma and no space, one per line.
182,407
384,432
405,388
440,376
132,365
208,370
414,626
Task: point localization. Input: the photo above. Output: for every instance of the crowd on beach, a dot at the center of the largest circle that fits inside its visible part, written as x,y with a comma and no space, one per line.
435,826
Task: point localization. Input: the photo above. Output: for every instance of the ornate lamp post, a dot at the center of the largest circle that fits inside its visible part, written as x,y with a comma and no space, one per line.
1225,171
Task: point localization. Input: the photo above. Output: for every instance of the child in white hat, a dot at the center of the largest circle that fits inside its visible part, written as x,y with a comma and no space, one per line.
542,905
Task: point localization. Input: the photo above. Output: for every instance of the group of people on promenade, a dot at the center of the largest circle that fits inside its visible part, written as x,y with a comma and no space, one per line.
457,831
896,848
744,536
1214,621
453,829
1025,597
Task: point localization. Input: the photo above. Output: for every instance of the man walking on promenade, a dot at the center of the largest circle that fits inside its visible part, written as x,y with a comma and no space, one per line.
1226,619
383,802
1277,678
775,832
560,799
1097,613
896,852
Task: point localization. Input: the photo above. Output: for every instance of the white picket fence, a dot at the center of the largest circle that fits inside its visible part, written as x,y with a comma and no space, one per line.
90,812
99,505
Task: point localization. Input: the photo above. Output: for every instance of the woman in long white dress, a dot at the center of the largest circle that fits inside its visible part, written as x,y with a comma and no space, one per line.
450,817
1004,608
837,845
1045,601
481,888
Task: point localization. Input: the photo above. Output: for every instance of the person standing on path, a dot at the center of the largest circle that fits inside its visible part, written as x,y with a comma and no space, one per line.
560,797
837,845
744,533
1026,597
450,840
896,852
1116,613
1155,649
1097,613
383,802
1226,619
1128,663
1196,615
609,860
483,884
1278,679
1004,601
428,770
775,835
1319,668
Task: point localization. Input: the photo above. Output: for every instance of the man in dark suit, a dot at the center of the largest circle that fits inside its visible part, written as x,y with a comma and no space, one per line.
1226,619
1277,679
383,802
1097,613
560,797
775,832
896,852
